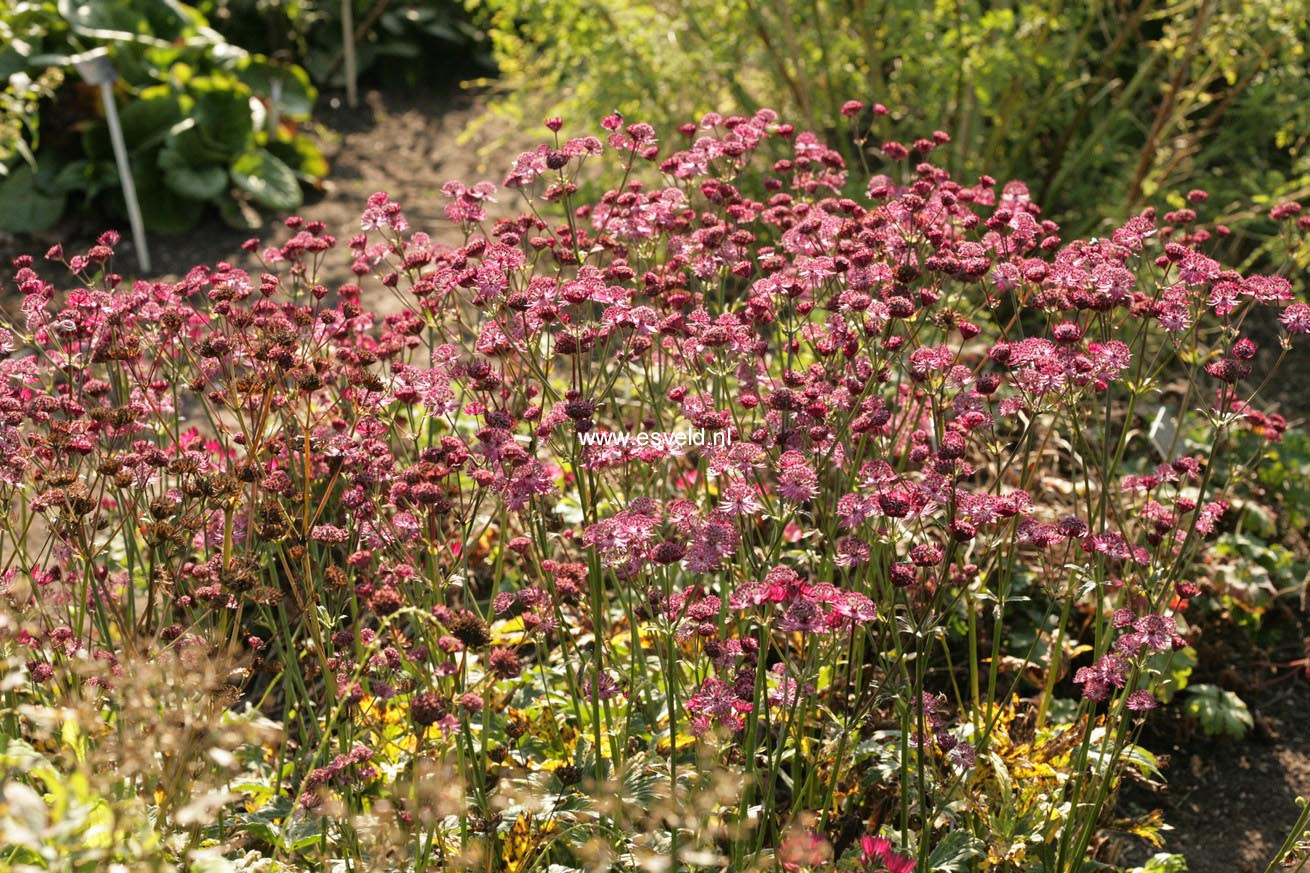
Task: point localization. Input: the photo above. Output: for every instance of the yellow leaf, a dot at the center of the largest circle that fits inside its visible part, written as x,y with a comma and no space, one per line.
685,741
1147,827
549,766
516,851
509,632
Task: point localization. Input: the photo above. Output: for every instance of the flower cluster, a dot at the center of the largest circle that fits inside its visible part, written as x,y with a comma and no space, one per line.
931,405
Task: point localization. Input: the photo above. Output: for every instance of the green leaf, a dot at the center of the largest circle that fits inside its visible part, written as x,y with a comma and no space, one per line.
162,209
237,213
147,121
191,147
75,176
301,834
1174,669
1147,764
266,823
147,22
267,180
297,95
223,117
1220,712
302,155
196,183
1163,862
24,206
955,853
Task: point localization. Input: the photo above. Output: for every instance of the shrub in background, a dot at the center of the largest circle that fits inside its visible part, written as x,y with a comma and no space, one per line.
403,44
1100,106
205,122
911,611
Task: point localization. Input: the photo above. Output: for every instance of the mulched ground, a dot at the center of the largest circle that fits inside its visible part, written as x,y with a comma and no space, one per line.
1230,803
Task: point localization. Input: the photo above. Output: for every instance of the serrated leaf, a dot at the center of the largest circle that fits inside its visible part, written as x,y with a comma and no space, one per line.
516,850
302,833
955,853
1220,712
267,180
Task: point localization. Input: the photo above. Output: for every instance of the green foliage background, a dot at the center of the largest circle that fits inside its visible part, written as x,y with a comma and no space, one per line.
196,111
1098,105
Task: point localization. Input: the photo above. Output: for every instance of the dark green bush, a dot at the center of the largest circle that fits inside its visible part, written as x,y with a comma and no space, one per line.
399,42
205,122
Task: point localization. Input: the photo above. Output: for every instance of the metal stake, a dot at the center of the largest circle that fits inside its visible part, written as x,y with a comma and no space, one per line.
274,108
96,68
348,46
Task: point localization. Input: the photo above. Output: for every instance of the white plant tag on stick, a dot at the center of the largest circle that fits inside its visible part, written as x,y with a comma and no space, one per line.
1163,433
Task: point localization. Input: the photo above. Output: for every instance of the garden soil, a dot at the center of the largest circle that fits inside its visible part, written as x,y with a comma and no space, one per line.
1231,804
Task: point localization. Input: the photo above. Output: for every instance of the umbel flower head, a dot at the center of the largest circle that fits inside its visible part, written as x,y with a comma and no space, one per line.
470,629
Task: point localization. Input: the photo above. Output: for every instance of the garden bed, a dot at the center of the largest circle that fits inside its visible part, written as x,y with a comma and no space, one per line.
1229,803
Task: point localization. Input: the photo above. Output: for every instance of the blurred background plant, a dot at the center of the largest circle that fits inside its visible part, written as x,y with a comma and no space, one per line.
205,122
1103,104
398,44
18,109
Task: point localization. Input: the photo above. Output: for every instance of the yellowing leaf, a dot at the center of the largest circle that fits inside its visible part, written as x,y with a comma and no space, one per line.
509,632
685,741
516,851
1147,827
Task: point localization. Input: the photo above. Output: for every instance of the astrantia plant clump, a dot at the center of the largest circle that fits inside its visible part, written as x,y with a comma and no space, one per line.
904,599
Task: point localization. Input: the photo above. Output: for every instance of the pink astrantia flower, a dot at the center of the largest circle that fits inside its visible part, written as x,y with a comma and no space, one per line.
1296,318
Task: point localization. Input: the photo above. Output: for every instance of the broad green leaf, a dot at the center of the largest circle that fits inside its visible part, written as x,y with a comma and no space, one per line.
302,155
956,853
147,121
297,95
267,180
88,177
162,209
24,206
222,113
196,183
302,833
237,212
